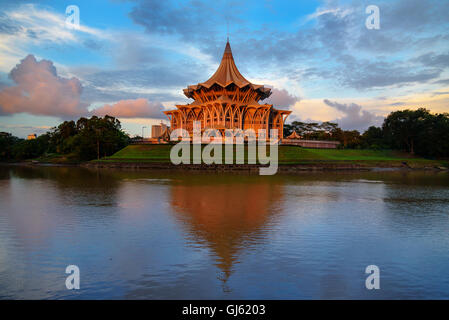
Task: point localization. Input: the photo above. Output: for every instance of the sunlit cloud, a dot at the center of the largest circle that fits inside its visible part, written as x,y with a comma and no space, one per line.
32,25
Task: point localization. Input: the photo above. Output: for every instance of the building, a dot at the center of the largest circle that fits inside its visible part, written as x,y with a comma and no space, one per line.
158,130
31,136
227,101
296,140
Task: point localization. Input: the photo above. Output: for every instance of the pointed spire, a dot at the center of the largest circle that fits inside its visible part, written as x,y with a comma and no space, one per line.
227,72
228,50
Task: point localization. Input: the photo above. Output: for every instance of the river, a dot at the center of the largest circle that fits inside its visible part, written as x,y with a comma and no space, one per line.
175,235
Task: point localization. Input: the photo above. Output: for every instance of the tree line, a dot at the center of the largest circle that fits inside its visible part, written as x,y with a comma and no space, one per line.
415,131
85,139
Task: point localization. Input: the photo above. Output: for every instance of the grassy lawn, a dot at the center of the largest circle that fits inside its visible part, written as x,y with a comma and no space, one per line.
287,155
56,158
153,153
294,153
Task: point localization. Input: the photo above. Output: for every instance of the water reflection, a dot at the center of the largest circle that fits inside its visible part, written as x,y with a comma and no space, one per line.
227,215
39,200
152,235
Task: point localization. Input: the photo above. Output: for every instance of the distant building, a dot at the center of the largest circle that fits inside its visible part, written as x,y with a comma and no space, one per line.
158,130
296,140
31,136
294,135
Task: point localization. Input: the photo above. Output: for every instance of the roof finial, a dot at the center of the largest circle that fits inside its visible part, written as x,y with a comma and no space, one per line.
227,29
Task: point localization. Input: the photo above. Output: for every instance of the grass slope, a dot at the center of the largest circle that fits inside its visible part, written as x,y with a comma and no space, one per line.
287,155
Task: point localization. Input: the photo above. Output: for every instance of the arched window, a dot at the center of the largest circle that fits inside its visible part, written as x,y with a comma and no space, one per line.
189,121
258,120
208,123
248,119
228,118
200,118
216,118
236,118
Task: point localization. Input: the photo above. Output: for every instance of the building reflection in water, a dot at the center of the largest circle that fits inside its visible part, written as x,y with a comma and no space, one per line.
227,216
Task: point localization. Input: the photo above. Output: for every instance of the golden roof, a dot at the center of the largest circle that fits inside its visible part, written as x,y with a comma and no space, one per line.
294,135
227,74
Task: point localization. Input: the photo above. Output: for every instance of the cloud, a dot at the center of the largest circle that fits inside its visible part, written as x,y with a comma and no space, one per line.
440,93
187,19
39,90
22,130
29,25
138,108
434,60
354,117
8,26
281,98
45,24
368,75
442,81
338,49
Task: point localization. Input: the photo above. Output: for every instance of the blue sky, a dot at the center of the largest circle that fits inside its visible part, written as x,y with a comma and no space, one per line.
133,58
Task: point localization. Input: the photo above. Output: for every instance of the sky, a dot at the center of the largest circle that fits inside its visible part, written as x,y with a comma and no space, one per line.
131,59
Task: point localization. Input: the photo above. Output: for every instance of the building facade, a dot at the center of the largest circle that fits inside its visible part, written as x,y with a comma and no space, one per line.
157,130
227,101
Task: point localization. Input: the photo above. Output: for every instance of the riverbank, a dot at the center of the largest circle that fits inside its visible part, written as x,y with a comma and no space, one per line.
311,166
290,159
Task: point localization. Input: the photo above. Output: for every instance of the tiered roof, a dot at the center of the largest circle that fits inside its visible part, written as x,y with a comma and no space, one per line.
226,75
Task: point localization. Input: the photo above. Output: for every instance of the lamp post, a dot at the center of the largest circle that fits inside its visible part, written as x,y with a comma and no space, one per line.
142,132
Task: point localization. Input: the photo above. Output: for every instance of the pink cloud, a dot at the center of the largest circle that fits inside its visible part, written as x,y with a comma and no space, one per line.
39,90
138,108
281,98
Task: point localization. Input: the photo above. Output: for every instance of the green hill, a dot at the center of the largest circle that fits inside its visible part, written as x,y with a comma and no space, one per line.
287,155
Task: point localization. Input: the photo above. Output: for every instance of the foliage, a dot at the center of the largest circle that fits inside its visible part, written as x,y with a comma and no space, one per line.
403,128
414,131
7,143
84,139
324,131
418,131
13,148
373,138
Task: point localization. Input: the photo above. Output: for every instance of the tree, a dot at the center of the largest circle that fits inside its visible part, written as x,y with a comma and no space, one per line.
373,138
7,143
433,139
98,137
29,149
288,130
62,136
402,128
348,139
